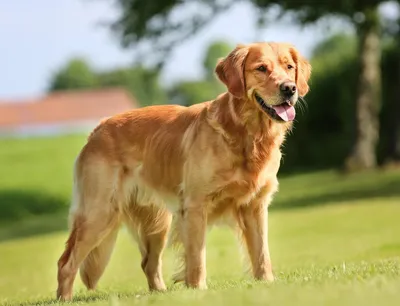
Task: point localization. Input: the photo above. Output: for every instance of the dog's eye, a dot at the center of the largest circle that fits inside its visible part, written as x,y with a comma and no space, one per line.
290,67
262,68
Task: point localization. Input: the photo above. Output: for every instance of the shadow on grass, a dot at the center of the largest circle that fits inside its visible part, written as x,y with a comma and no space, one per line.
27,213
331,196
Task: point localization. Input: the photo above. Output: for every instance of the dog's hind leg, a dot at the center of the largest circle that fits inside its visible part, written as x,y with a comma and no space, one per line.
87,234
95,219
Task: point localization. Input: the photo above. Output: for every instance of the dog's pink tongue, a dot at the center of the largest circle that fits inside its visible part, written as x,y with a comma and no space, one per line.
285,111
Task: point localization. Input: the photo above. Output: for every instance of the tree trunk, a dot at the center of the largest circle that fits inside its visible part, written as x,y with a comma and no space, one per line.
368,102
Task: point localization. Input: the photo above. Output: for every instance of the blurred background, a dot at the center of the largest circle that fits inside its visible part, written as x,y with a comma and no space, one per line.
68,63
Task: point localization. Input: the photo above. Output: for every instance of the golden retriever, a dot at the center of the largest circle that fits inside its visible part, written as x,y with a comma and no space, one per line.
149,166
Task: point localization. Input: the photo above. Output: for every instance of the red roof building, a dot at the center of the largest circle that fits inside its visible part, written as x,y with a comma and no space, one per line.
62,112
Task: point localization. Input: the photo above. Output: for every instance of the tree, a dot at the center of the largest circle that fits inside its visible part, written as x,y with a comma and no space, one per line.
141,21
155,22
76,74
326,128
365,17
325,131
368,101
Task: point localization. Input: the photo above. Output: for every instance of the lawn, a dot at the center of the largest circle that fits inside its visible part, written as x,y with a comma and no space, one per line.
335,240
36,175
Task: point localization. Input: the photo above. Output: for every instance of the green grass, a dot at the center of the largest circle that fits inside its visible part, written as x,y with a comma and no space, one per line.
335,240
345,254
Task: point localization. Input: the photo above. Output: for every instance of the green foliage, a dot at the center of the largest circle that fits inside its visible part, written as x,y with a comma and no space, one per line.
311,11
215,51
334,49
76,74
363,269
389,119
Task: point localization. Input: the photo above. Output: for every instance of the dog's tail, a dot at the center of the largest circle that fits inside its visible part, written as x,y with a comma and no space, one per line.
176,243
95,263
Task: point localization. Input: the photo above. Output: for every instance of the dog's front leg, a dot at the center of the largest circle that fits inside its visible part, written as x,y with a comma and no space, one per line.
254,225
194,224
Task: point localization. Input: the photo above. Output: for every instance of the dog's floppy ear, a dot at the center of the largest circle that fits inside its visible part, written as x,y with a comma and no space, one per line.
230,70
303,72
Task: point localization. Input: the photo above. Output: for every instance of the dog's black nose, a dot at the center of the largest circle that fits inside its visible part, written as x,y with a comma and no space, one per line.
288,89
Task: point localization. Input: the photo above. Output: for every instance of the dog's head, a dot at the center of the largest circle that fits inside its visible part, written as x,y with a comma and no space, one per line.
271,75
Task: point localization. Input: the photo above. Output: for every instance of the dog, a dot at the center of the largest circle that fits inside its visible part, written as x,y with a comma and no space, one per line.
172,168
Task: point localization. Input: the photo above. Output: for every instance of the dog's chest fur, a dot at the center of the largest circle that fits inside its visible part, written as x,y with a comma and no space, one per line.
253,174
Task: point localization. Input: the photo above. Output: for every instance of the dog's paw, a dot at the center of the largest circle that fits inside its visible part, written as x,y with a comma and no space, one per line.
200,286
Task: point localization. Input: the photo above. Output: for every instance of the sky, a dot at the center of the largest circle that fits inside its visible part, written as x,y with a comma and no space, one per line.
37,37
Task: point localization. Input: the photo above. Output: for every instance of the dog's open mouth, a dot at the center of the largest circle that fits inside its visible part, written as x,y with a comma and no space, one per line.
281,112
